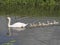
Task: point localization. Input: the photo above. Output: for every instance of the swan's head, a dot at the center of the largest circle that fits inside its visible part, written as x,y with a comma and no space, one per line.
8,17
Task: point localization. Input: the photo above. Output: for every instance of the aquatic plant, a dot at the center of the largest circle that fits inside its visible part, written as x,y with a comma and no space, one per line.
37,8
11,42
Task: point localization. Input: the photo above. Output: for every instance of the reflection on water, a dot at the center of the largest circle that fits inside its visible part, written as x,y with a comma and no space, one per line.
15,29
18,29
49,35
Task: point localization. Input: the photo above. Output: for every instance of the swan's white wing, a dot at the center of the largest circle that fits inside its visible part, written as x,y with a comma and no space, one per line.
18,24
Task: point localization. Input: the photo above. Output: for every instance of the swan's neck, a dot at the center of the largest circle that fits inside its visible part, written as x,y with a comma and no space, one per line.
9,22
48,22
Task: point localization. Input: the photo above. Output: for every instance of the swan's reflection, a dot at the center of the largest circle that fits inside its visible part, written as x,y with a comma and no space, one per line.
18,29
14,28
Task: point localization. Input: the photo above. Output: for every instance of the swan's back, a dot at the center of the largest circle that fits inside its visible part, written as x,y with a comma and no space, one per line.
19,24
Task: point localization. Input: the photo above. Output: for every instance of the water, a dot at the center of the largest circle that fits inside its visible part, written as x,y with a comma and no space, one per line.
30,36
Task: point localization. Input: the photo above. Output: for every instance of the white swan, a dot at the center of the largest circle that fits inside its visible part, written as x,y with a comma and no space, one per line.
31,25
55,22
18,24
43,24
49,23
39,23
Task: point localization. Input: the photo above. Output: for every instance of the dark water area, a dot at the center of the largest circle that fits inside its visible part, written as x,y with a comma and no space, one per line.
49,35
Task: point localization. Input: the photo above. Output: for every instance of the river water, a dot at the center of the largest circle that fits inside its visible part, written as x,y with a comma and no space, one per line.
49,35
